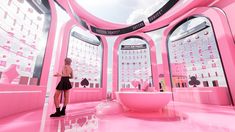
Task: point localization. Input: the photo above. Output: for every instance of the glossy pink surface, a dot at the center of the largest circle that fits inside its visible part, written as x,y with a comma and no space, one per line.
21,106
81,117
143,101
108,108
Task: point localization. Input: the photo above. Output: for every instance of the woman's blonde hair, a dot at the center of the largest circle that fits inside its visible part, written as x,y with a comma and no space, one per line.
67,61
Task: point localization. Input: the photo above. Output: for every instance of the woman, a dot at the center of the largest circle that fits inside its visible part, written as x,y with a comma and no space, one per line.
63,86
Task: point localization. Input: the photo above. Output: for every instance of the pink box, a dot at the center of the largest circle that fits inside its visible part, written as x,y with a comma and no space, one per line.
24,80
33,81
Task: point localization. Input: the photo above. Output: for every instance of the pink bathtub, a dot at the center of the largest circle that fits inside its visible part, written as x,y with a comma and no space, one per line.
143,101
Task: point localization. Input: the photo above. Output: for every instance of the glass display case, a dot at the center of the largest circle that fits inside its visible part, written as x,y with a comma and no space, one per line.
194,56
134,65
86,52
23,36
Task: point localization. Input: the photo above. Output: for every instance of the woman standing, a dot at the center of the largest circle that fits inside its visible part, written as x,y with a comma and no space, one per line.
63,86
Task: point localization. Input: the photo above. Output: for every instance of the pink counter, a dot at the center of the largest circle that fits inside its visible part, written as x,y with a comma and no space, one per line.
215,95
144,101
20,98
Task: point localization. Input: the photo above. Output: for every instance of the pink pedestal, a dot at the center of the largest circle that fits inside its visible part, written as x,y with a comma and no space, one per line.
144,101
203,95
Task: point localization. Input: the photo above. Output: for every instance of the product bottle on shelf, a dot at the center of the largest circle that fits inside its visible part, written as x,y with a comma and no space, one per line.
139,87
150,81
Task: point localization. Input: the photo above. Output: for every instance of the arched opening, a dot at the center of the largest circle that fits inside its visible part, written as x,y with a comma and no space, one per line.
195,61
86,51
134,64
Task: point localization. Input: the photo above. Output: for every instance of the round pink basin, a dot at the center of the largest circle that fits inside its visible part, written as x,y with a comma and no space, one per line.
144,101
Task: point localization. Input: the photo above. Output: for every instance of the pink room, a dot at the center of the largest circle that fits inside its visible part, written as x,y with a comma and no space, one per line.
117,66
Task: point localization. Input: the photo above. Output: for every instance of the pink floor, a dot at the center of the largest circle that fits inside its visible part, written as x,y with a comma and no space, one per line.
81,118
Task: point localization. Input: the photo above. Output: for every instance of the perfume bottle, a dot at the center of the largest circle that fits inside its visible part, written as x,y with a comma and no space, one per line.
139,87
160,87
150,81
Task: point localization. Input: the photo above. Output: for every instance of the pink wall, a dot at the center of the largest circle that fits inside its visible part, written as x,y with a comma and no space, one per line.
152,56
20,98
228,7
224,39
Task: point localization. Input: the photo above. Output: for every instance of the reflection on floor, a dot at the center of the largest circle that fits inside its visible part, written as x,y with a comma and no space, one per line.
82,118
22,122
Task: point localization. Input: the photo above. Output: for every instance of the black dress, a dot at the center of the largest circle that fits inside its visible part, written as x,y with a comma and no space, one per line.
64,84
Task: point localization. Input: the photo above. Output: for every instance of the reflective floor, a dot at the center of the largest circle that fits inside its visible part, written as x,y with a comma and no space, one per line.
82,117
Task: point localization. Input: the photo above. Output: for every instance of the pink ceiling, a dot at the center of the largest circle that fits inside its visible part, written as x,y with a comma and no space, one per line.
181,7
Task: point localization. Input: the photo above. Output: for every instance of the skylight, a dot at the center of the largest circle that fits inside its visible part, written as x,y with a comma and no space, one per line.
122,11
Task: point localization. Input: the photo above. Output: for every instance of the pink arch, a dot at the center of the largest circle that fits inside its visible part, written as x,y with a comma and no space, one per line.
224,39
178,10
152,57
61,54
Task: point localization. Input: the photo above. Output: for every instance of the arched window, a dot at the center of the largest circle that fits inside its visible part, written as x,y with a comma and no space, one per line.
86,52
23,38
134,65
194,56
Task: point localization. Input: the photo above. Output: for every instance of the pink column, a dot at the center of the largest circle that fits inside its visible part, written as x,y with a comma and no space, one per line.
59,60
104,66
49,46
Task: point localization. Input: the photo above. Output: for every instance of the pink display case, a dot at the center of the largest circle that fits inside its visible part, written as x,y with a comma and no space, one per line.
226,48
79,93
23,45
203,95
119,69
